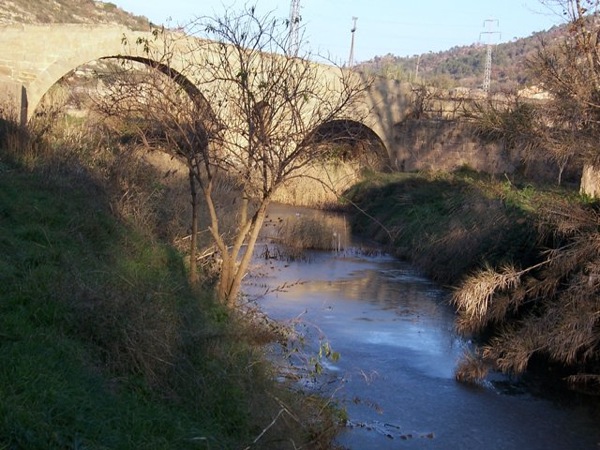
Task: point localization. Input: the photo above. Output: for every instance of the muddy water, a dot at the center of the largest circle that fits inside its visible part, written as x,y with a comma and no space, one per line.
394,331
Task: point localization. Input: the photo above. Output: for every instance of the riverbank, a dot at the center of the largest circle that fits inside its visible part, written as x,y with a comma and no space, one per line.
487,239
448,225
393,332
103,342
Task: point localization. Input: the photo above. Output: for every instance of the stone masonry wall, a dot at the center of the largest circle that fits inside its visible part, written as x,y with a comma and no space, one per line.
446,145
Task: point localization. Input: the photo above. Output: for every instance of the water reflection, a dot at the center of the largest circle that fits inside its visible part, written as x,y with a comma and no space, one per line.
395,332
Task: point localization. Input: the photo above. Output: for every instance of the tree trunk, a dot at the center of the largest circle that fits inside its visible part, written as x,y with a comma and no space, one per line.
590,181
242,267
194,238
234,268
225,277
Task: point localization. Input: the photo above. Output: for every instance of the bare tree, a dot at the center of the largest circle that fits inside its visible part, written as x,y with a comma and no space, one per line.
273,105
254,113
163,112
570,71
565,128
511,120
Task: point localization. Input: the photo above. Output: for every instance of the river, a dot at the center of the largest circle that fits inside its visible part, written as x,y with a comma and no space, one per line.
394,331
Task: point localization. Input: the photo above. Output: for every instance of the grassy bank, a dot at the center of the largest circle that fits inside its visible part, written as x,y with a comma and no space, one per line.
449,225
104,344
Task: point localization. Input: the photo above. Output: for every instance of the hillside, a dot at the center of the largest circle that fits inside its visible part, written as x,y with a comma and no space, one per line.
68,11
464,65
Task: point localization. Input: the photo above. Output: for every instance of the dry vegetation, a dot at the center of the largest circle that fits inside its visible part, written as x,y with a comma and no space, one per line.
68,11
550,308
310,190
299,233
523,262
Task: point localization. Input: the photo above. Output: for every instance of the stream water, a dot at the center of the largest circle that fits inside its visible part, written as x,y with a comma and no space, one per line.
394,331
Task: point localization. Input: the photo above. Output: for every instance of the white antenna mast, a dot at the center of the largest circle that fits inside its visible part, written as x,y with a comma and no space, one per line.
294,43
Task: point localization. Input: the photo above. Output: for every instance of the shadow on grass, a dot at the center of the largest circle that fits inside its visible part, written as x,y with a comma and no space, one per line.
103,342
448,225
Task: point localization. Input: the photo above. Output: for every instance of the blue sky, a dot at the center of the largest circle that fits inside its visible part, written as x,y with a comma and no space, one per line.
400,27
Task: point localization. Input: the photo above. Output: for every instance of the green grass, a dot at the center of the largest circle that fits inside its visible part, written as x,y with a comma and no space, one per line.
56,246
450,224
104,345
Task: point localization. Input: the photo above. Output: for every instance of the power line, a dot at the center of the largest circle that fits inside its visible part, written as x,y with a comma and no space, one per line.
294,42
490,34
353,30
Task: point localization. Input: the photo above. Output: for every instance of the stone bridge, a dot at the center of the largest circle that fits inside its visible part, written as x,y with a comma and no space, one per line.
34,57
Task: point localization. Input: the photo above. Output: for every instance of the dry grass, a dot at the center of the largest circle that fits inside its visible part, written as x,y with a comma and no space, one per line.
308,233
551,308
319,186
471,369
479,300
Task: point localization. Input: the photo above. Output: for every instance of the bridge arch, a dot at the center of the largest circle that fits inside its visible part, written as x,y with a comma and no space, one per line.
57,71
356,141
200,102
35,57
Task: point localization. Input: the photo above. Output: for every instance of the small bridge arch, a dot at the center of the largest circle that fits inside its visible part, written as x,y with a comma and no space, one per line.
356,141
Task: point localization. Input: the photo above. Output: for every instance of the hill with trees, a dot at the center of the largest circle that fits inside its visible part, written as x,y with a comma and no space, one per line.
463,66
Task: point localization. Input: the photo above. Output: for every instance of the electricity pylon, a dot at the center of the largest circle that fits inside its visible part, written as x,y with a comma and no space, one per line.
487,74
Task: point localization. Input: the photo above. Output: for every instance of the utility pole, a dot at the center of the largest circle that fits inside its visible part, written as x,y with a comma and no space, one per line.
294,42
490,34
351,58
417,69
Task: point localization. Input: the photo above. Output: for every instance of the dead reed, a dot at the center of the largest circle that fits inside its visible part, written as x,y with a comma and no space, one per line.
310,233
319,186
